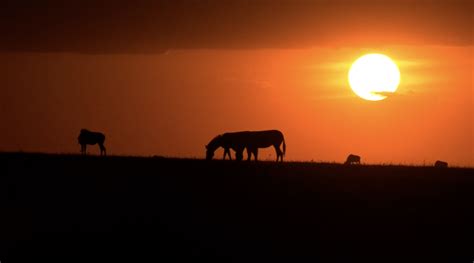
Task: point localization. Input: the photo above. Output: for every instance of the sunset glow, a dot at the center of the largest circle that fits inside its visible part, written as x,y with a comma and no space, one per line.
236,130
166,78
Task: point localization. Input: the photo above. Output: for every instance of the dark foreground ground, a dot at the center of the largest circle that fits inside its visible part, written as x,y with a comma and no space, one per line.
59,208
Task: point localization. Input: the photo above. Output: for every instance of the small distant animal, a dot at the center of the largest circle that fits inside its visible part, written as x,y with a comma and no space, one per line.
250,140
89,137
352,159
441,164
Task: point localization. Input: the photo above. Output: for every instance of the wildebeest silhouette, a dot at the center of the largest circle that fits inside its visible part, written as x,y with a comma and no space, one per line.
352,159
250,140
441,164
227,141
89,137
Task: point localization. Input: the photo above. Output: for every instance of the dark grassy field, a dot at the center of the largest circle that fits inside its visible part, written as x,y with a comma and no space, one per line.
79,209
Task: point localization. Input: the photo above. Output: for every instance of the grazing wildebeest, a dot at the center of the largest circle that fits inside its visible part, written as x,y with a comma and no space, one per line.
250,140
441,164
352,159
88,137
227,141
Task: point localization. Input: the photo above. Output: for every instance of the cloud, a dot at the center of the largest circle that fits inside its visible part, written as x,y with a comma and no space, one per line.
119,26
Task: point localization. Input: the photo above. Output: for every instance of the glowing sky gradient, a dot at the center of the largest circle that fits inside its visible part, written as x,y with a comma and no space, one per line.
164,78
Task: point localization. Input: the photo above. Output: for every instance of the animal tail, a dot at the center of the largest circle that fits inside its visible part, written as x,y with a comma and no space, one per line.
284,147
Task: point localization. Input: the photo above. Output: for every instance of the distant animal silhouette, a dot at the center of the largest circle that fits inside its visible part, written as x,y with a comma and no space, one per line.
250,140
88,137
441,164
352,159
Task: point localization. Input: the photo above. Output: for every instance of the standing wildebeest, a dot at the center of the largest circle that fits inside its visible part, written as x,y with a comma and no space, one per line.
91,138
353,159
441,164
252,140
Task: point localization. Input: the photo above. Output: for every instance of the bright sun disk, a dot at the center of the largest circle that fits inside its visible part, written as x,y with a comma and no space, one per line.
373,76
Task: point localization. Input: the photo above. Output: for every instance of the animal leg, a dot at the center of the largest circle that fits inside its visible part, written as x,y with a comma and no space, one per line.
249,154
255,153
102,150
239,155
278,152
228,153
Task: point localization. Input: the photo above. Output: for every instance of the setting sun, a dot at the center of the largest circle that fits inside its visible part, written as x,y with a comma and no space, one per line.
373,76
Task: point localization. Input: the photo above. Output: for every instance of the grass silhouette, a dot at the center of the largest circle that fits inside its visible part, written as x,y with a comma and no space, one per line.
69,208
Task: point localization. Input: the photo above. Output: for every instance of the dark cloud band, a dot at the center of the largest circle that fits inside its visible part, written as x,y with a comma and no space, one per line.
154,26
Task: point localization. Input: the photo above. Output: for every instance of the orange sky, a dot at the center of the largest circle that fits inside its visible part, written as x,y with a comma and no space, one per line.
173,99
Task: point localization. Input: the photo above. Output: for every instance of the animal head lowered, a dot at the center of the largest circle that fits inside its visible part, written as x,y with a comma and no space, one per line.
209,153
212,146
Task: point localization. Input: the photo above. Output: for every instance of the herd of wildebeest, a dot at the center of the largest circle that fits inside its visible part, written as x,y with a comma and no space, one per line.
240,141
